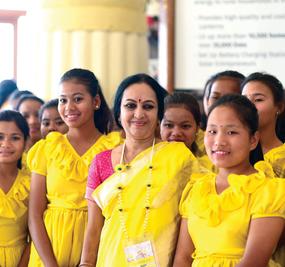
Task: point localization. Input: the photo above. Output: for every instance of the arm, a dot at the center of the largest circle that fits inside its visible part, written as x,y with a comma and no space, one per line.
37,207
185,247
92,235
25,256
262,239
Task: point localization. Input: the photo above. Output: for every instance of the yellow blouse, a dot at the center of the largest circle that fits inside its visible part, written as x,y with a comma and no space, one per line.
14,220
218,223
66,176
276,157
200,143
172,165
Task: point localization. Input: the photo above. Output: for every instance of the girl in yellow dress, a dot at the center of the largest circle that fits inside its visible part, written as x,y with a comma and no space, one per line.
134,218
266,92
14,191
235,217
181,123
59,165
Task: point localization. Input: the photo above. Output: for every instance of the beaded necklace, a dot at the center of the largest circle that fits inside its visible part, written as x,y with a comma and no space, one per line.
121,168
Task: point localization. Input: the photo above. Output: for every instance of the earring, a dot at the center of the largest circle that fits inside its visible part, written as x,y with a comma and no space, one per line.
96,107
277,113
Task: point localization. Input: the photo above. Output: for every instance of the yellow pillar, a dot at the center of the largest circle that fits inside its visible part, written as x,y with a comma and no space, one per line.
105,36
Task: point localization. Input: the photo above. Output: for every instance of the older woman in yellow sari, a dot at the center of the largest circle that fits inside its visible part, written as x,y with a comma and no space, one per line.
134,218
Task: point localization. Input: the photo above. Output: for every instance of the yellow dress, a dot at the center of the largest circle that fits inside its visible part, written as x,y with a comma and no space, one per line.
276,157
14,220
172,165
207,163
66,176
201,153
200,143
218,223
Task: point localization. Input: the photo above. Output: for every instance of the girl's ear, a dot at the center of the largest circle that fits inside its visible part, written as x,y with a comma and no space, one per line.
254,139
281,107
96,102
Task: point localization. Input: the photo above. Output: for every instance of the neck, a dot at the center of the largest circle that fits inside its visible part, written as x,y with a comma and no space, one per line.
29,144
244,169
8,170
134,147
86,133
269,139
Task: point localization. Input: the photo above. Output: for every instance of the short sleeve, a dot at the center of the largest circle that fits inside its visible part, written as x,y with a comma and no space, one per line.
269,200
185,200
36,158
100,169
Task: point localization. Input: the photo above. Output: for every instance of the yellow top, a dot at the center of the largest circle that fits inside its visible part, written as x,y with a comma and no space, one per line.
218,223
14,220
66,176
14,211
276,157
66,172
200,143
172,164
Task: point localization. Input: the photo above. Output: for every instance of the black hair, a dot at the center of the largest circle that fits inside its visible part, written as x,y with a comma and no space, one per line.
227,74
234,75
187,101
24,98
247,114
270,81
7,87
159,91
102,117
277,91
49,104
14,116
17,94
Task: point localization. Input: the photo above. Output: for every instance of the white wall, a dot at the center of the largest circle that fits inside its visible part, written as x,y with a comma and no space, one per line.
215,35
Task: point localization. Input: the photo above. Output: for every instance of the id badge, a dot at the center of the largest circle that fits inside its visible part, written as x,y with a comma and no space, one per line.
140,254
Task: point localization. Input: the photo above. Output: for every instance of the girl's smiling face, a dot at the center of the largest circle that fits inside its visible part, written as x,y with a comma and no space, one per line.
76,105
12,143
51,121
228,141
178,124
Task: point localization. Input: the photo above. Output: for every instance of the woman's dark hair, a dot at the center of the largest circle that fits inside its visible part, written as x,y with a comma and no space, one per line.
247,114
14,116
49,104
277,91
17,94
7,87
102,117
187,101
159,91
24,98
270,81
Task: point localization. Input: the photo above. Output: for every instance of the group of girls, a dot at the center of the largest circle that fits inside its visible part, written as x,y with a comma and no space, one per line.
96,198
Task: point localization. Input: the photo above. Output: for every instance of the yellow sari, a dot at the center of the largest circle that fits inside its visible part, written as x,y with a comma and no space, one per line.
172,165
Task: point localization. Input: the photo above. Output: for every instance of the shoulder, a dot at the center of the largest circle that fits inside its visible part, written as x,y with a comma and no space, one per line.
102,156
274,153
110,140
175,149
